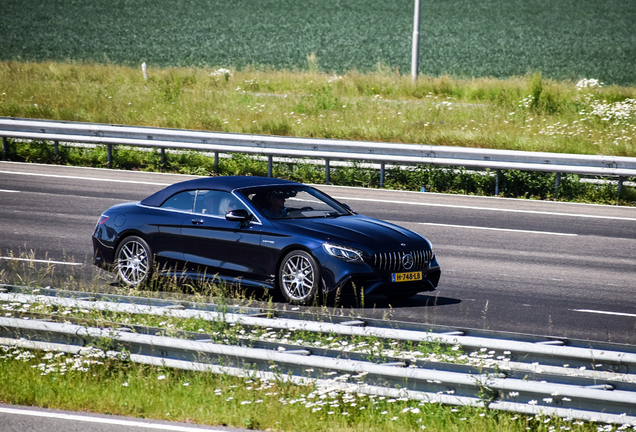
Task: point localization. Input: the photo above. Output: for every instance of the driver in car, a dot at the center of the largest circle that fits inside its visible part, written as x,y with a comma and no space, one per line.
276,207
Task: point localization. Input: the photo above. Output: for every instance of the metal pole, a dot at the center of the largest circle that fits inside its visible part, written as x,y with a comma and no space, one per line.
557,183
620,186
415,54
382,173
327,172
270,166
216,162
162,164
497,184
5,148
109,149
56,148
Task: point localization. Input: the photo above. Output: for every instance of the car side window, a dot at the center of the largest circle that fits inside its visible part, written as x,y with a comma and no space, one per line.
216,203
182,201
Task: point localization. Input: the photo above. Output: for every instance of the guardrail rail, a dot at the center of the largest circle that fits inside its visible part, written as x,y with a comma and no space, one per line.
530,376
327,149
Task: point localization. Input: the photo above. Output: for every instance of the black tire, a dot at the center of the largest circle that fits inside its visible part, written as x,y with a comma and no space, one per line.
299,278
133,261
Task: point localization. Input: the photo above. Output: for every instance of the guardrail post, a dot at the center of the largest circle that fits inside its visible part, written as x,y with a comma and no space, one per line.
620,186
497,183
5,148
109,151
327,171
162,162
216,162
382,173
557,183
56,148
270,166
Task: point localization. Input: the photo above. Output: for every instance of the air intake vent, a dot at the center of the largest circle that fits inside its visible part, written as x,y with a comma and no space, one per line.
400,261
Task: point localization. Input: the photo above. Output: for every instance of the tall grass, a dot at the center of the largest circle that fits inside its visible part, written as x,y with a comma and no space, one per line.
95,383
92,380
525,113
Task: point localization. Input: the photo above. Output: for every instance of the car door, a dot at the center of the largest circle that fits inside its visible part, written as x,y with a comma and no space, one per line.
164,229
215,246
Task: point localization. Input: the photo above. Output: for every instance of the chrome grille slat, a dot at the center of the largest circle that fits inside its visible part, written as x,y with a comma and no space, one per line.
392,261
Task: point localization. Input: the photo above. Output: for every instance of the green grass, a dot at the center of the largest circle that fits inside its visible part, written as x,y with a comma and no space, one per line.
95,383
530,113
484,113
566,39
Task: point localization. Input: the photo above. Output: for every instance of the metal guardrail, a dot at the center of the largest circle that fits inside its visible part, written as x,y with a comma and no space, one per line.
327,149
598,384
596,357
593,403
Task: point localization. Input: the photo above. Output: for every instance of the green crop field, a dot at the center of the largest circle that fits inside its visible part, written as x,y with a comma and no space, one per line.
562,39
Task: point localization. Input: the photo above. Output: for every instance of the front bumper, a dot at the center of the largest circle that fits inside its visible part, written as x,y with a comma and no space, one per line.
341,276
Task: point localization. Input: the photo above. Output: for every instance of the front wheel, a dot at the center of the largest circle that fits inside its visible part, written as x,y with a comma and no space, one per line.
133,261
299,277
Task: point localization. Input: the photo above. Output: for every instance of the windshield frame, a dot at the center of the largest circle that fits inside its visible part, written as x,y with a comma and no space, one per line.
261,199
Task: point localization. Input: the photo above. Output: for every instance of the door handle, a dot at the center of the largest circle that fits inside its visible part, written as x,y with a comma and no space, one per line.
197,221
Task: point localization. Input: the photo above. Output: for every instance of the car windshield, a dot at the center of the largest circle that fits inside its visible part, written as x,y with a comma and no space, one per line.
293,202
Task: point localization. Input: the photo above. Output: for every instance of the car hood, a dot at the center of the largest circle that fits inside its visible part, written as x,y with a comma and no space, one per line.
356,231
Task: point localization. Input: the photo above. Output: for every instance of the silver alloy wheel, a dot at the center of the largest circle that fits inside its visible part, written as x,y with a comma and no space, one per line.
298,277
133,261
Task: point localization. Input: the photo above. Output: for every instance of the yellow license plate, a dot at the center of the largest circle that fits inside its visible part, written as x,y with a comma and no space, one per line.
406,277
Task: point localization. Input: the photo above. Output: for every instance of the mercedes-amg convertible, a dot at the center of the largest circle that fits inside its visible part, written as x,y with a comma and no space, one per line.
262,232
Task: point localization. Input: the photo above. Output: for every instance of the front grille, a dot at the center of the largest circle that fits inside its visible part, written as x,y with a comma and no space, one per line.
394,261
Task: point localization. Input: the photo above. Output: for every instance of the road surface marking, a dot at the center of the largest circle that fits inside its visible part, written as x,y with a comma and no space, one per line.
497,229
111,421
41,261
87,178
487,208
605,312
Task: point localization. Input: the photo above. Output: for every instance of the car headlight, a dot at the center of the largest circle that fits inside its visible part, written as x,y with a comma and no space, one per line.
344,253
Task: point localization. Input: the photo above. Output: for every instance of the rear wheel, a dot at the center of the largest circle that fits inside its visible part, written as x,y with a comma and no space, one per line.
299,277
133,261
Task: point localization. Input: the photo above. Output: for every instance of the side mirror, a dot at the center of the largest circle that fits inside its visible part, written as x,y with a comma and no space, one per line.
240,215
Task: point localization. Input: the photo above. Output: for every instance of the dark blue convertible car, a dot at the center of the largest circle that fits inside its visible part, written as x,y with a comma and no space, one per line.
263,232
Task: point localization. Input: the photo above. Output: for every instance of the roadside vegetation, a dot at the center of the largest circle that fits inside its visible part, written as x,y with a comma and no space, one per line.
304,78
96,383
525,113
98,380
467,38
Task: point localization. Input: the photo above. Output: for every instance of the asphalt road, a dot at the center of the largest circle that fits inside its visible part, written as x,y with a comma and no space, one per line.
32,419
536,267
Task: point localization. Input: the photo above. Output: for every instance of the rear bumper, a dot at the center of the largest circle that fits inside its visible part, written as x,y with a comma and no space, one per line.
103,255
